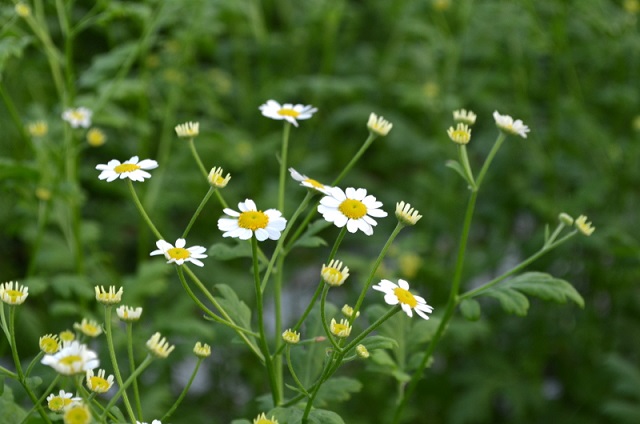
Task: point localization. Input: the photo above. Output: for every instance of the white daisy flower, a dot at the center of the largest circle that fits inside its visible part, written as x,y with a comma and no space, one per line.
188,129
134,169
507,124
289,112
309,182
73,358
353,208
464,116
58,402
128,313
80,117
178,254
265,225
399,293
379,125
98,383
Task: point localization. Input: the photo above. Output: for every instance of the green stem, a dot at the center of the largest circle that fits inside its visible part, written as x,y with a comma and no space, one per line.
292,371
35,360
146,218
42,398
147,361
489,159
196,156
114,360
263,338
132,366
283,165
464,159
15,117
355,158
323,318
197,212
183,393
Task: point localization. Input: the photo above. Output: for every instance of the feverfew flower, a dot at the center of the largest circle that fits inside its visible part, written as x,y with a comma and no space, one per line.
58,402
464,116
67,336
38,128
188,129
290,336
334,274
159,346
347,311
362,351
584,226
216,179
460,135
289,112
97,383
262,419
202,350
378,125
134,169
249,221
308,182
399,294
73,358
88,327
110,297
80,117
507,124
96,137
340,329
22,10
178,254
128,313
77,413
353,208
11,295
49,343
406,214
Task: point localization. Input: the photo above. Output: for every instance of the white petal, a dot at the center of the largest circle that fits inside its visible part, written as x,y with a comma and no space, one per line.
403,284
352,226
407,309
261,234
230,212
391,299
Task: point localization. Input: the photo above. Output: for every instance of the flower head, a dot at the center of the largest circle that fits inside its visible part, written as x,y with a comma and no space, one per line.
73,358
334,274
262,419
110,297
584,226
249,221
340,329
80,117
11,295
461,134
507,124
128,313
38,128
565,218
362,351
290,336
159,346
353,208
202,350
464,116
289,112
97,383
96,137
77,413
399,294
22,10
406,214
152,422
43,193
347,311
378,125
178,254
134,169
59,402
88,327
67,336
188,129
308,182
215,178
49,343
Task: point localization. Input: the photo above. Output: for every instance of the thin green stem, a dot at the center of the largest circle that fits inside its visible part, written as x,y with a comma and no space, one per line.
355,158
283,165
145,363
35,360
489,159
183,393
196,156
292,371
132,366
42,398
221,199
146,218
323,318
464,159
197,212
114,360
15,117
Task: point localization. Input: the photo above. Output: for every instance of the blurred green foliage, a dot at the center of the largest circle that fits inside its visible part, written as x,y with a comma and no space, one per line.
569,69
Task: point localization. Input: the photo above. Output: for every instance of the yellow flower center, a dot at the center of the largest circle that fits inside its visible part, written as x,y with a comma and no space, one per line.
353,209
58,403
90,329
71,360
99,384
67,336
126,167
49,345
178,253
332,274
288,112
404,296
253,220
314,183
77,415
14,294
339,328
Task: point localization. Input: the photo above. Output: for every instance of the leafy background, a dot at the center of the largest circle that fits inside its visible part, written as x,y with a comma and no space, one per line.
567,68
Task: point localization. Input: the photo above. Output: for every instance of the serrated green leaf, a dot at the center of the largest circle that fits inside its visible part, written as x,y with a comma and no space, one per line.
33,382
10,412
309,238
236,308
322,416
456,166
338,389
12,46
225,252
470,309
379,342
546,287
512,301
382,357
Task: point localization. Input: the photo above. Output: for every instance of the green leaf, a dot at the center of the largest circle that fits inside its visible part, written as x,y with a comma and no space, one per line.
379,342
309,238
293,415
236,308
338,389
12,46
10,412
456,166
512,301
470,309
225,252
13,169
546,287
322,416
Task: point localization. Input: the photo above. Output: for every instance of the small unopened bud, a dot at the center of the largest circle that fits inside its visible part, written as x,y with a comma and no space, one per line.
565,218
362,351
291,337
